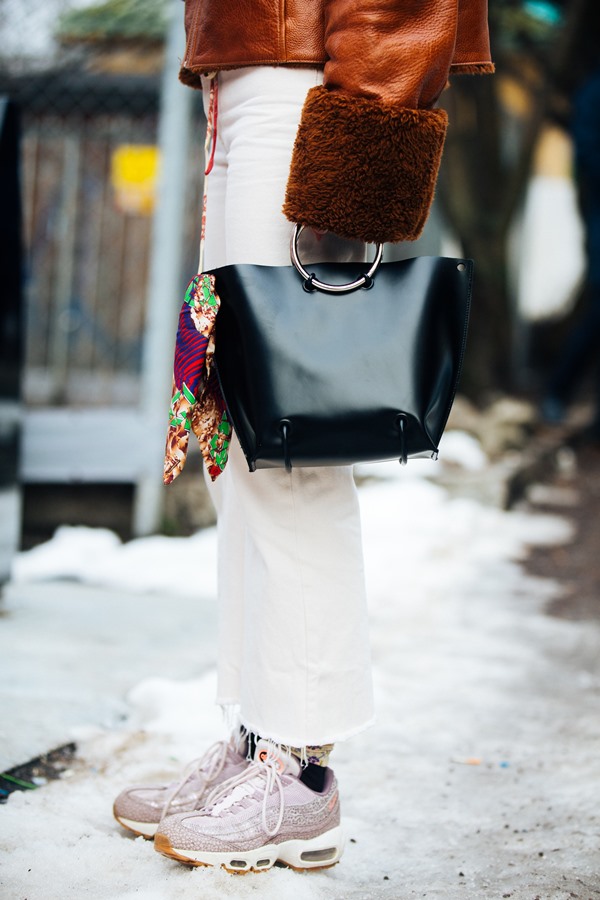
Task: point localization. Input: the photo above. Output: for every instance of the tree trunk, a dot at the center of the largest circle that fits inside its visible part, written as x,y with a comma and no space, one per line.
472,183
487,360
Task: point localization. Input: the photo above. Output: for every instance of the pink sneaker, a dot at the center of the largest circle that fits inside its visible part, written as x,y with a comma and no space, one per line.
141,807
262,816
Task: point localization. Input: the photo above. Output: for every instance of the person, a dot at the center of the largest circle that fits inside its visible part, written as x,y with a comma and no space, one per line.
583,341
326,116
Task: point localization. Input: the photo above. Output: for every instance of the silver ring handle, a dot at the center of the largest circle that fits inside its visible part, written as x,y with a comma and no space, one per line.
313,282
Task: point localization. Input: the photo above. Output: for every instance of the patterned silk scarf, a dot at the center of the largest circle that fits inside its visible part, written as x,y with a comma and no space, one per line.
197,403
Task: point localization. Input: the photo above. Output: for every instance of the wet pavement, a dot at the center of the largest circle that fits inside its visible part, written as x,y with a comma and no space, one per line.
575,493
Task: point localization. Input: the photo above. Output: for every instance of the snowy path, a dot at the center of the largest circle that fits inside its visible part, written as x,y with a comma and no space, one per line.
479,780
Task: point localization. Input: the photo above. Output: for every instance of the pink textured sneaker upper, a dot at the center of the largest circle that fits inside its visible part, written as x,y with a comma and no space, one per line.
267,803
144,803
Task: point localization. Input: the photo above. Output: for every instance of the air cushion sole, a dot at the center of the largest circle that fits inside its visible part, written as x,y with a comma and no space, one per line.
320,852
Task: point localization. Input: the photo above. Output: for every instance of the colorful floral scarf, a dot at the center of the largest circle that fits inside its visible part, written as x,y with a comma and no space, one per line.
197,403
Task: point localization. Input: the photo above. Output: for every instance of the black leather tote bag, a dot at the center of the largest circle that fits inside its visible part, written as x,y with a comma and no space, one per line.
317,375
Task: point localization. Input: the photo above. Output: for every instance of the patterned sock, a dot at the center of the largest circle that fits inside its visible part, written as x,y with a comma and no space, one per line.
314,761
316,756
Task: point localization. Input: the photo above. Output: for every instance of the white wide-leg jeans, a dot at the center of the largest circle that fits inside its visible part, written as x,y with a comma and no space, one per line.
293,654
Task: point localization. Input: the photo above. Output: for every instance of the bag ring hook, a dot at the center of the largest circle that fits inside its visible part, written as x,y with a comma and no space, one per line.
311,282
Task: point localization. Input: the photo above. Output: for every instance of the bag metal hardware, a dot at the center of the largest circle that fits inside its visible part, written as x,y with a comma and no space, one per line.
311,283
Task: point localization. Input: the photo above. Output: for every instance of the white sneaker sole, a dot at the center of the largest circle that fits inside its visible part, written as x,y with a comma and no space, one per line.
320,852
145,829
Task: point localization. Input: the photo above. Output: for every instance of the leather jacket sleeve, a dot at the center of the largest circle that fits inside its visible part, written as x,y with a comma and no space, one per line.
370,140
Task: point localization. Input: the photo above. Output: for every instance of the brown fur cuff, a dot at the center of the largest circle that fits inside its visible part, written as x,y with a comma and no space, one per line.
191,79
363,168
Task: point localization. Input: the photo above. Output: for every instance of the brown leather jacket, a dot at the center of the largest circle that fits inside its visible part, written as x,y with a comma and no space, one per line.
370,140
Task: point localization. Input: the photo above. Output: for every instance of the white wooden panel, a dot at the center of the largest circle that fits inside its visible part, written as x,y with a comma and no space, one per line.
100,445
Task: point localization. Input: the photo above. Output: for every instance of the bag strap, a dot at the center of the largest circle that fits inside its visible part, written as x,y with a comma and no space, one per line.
210,144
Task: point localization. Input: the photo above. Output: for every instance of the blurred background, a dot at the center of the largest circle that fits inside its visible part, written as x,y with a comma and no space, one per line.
101,188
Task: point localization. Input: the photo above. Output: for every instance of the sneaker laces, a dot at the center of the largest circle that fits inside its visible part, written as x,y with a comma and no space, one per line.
207,767
266,776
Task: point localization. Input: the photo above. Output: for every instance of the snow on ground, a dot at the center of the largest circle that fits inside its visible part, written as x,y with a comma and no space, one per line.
97,556
478,780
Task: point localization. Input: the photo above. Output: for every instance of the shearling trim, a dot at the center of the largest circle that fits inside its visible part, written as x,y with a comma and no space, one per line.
191,79
363,168
484,68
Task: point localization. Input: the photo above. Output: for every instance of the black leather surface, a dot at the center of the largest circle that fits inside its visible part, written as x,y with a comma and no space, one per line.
341,367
